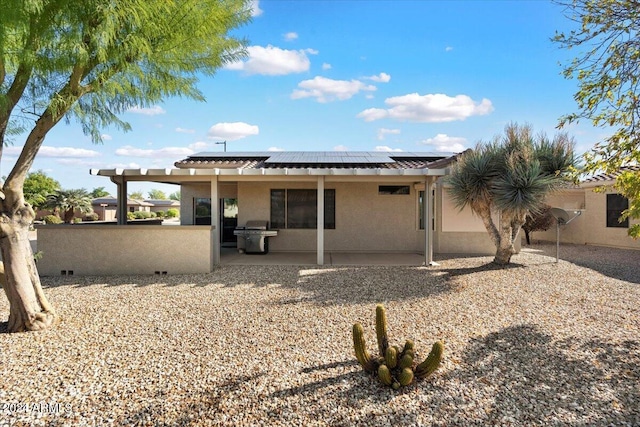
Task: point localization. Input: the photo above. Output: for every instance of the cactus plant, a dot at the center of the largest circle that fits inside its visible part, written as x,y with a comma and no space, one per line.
395,366
360,347
381,329
432,361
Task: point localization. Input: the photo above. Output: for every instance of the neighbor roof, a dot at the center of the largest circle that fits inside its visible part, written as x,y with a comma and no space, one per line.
604,178
312,159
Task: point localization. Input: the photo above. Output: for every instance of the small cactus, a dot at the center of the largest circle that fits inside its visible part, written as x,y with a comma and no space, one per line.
359,345
391,357
381,329
405,377
432,361
395,366
385,375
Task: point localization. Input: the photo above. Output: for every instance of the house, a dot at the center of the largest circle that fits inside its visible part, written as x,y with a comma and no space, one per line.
106,207
600,206
162,205
320,202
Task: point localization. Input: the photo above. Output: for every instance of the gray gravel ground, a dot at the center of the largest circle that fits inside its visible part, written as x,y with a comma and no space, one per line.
535,344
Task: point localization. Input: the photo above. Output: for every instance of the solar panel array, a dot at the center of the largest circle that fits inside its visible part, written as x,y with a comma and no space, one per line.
319,157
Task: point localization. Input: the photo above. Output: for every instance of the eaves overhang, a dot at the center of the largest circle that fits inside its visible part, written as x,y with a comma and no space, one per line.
157,174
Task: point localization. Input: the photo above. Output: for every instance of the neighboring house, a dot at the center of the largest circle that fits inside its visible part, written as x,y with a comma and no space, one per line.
320,202
106,207
163,205
600,206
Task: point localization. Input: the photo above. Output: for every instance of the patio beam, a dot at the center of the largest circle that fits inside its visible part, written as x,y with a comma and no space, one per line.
320,218
121,193
215,222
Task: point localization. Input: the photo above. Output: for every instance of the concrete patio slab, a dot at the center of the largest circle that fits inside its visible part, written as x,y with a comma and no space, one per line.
230,256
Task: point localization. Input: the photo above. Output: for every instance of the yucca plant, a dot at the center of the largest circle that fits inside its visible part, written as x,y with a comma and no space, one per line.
511,177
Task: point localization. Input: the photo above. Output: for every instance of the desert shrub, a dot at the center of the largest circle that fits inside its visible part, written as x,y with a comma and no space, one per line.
52,219
172,213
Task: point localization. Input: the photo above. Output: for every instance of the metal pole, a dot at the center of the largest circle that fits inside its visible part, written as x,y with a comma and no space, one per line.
557,241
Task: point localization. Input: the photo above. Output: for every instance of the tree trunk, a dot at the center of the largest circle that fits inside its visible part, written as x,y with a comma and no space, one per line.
504,249
29,309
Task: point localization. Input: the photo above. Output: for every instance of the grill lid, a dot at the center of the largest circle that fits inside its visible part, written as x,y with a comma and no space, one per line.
257,224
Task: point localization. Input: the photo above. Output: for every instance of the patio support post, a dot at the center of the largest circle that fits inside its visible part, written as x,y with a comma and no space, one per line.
428,220
320,217
215,222
122,211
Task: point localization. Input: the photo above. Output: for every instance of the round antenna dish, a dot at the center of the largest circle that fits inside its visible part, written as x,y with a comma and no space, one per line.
560,215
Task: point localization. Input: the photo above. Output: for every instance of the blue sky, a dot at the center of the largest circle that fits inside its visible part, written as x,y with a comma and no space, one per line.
349,75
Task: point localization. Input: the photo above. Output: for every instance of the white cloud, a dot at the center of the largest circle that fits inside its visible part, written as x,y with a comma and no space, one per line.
448,49
273,61
71,161
444,143
255,8
131,165
173,152
183,130
340,148
386,148
106,137
382,132
290,36
232,131
150,111
48,151
275,149
380,78
430,108
199,145
326,66
325,90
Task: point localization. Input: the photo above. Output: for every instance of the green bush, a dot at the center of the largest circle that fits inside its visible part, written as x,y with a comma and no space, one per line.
130,216
173,213
52,219
77,220
91,217
160,214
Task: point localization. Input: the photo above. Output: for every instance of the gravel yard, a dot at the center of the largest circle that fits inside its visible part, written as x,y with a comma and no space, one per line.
535,344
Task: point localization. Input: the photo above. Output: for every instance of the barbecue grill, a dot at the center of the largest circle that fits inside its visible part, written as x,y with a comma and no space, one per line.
256,235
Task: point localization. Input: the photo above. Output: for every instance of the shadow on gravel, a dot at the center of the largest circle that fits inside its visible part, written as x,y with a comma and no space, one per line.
453,272
200,406
535,382
618,263
370,284
351,390
4,326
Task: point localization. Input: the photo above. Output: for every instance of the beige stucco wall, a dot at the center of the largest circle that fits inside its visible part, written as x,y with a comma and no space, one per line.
125,249
365,220
591,227
460,231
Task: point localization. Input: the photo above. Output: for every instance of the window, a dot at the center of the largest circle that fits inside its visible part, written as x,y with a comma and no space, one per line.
394,189
616,203
421,210
298,209
202,211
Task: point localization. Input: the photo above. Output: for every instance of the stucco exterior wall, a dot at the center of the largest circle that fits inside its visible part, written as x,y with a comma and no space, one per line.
365,220
591,227
460,231
124,249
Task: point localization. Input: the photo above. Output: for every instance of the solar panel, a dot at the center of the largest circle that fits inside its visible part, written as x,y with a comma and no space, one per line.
315,157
